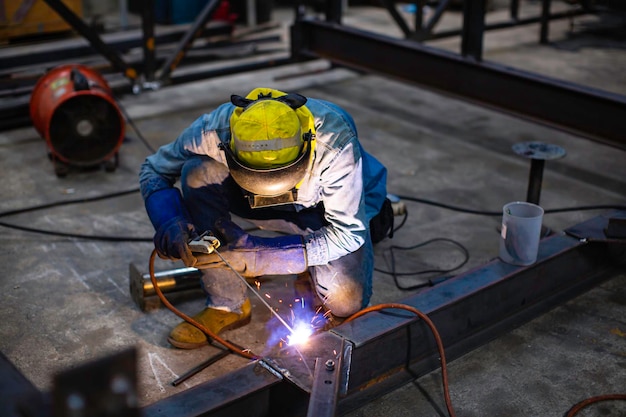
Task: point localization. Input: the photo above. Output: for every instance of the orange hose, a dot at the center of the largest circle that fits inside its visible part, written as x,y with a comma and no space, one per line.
250,355
584,403
245,353
444,367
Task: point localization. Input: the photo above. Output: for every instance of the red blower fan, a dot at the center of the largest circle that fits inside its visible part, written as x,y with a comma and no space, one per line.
72,107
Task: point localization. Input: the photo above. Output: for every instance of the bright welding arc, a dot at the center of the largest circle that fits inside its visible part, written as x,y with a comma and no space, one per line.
254,291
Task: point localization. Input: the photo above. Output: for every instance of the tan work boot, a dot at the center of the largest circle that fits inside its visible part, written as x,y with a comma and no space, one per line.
187,336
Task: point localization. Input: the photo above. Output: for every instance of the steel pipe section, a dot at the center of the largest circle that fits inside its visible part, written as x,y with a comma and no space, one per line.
595,114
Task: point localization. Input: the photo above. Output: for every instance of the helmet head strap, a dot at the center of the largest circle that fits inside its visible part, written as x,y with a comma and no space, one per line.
293,100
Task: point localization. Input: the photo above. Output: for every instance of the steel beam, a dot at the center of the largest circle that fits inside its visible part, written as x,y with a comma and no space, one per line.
474,308
254,390
81,27
17,57
468,311
595,114
505,24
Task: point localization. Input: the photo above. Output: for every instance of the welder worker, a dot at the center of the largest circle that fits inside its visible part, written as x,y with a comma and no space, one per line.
288,164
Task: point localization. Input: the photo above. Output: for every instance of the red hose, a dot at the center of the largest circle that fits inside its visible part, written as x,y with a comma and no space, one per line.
442,355
245,353
584,403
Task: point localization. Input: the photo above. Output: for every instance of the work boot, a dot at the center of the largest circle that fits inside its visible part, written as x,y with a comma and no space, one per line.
188,336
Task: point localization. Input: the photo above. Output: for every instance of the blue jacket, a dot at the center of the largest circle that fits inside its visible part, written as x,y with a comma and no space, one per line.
350,182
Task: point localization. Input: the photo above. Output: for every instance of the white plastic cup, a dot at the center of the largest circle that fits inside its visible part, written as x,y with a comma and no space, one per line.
521,231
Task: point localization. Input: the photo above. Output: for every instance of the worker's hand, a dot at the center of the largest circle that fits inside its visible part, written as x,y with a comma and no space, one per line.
171,240
254,256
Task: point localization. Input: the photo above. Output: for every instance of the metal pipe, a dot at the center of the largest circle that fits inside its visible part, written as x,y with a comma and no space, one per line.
203,365
535,179
149,47
473,29
192,33
545,21
172,281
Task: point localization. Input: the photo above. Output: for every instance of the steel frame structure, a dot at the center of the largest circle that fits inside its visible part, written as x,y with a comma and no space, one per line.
591,113
584,111
424,30
146,74
468,311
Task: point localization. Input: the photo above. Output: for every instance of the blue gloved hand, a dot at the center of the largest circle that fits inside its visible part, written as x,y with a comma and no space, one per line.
169,217
254,256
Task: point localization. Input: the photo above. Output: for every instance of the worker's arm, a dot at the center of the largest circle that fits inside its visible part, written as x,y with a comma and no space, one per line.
344,208
254,256
163,202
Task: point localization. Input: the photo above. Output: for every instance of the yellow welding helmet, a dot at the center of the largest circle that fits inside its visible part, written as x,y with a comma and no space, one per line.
271,141
267,127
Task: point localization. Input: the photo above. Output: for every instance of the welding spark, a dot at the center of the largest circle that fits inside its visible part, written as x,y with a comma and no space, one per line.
303,323
301,332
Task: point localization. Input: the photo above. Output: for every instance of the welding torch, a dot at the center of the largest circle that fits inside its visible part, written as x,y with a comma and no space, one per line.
207,243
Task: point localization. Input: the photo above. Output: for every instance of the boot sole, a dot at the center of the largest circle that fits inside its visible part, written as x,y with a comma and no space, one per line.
188,345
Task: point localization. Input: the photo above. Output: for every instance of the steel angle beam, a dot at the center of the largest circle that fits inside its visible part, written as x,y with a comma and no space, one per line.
577,109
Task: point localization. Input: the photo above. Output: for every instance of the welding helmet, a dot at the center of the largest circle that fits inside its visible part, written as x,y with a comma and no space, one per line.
271,145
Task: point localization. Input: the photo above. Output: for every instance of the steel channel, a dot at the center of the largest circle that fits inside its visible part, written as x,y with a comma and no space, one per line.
595,114
326,379
171,281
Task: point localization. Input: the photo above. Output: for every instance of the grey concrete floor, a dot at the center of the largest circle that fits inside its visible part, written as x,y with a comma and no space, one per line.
66,301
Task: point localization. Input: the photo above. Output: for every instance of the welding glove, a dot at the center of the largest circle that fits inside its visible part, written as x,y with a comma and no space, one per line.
254,256
169,217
